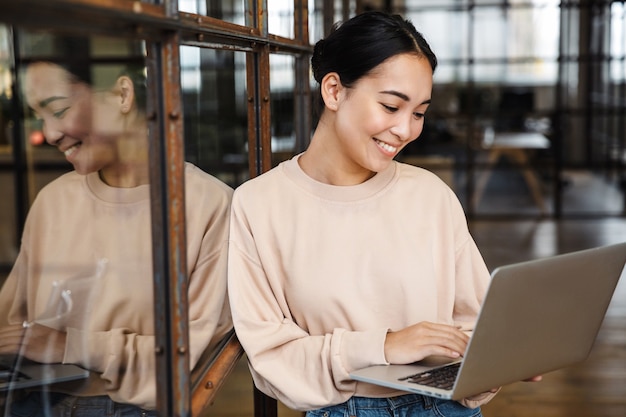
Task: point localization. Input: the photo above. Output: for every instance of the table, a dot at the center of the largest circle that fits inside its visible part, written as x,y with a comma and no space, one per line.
516,146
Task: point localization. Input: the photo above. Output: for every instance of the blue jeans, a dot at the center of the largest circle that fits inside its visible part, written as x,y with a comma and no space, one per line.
411,405
51,404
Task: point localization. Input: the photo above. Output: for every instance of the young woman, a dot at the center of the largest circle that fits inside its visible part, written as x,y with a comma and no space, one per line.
91,229
341,257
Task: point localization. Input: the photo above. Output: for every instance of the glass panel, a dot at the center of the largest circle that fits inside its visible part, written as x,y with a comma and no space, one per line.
442,3
82,280
316,21
280,18
447,44
213,86
228,10
533,31
282,84
618,42
489,28
8,215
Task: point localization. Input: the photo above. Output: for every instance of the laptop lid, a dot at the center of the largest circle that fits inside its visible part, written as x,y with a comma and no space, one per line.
537,316
18,373
67,306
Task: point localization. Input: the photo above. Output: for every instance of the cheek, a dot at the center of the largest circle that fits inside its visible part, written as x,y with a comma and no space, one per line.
78,123
417,130
372,121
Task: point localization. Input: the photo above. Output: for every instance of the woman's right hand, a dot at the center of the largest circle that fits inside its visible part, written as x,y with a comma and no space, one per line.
424,339
35,342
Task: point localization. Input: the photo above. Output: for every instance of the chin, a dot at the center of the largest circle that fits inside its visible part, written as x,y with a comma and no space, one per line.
84,170
379,166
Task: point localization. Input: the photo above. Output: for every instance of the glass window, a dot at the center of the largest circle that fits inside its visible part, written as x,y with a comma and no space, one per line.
280,18
282,84
215,107
85,263
227,10
8,210
618,41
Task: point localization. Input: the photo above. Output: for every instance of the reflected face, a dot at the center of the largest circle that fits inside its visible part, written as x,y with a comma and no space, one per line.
72,115
383,112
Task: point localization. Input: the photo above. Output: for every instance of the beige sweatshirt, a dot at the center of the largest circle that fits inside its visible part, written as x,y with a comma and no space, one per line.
318,274
76,222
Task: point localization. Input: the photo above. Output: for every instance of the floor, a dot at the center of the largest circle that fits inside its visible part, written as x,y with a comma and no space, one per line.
594,388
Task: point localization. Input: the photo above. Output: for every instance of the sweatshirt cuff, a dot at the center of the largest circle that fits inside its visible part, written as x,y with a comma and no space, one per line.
362,349
478,400
80,345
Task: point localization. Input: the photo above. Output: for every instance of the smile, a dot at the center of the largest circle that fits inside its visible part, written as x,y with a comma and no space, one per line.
68,152
386,147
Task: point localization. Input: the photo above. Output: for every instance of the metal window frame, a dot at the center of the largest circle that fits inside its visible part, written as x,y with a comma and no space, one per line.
165,29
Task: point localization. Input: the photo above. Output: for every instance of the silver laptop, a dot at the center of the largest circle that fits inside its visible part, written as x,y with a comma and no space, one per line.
537,316
67,306
17,373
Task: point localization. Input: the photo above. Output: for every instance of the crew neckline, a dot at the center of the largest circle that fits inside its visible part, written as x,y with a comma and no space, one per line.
341,193
118,195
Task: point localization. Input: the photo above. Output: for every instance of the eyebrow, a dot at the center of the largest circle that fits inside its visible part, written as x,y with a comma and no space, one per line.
45,102
401,95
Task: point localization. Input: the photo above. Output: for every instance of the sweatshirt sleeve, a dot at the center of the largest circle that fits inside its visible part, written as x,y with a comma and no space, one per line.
209,310
301,370
13,295
124,359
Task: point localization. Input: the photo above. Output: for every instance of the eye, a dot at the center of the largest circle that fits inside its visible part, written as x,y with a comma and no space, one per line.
59,114
390,109
418,115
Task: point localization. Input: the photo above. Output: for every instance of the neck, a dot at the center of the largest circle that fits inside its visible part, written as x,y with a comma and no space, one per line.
132,166
324,162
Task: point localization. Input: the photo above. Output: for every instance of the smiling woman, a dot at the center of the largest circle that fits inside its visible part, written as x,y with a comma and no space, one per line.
99,214
341,257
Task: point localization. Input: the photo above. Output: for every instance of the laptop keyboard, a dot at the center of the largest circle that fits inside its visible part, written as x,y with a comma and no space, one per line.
443,377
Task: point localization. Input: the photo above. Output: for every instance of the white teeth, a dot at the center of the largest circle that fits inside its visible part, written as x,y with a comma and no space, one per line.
70,151
386,146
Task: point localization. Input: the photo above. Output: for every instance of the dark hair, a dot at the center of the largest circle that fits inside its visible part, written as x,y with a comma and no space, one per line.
357,46
72,53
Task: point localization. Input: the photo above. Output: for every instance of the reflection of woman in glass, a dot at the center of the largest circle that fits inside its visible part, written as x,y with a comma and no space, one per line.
101,211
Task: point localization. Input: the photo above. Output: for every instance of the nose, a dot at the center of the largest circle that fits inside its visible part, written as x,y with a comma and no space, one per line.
51,132
407,128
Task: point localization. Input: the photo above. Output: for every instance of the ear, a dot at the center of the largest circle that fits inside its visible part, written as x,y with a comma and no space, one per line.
331,89
126,90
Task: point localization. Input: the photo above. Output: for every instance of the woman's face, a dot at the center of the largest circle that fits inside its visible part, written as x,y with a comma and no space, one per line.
72,115
382,112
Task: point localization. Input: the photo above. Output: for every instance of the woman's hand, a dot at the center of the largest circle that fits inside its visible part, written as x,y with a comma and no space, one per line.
424,339
35,342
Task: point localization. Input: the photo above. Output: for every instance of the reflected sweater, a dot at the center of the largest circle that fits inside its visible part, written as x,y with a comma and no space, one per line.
318,274
77,223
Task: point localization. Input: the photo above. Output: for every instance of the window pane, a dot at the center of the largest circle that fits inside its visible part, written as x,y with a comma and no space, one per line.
282,83
84,270
8,214
280,18
435,25
228,10
618,42
214,98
